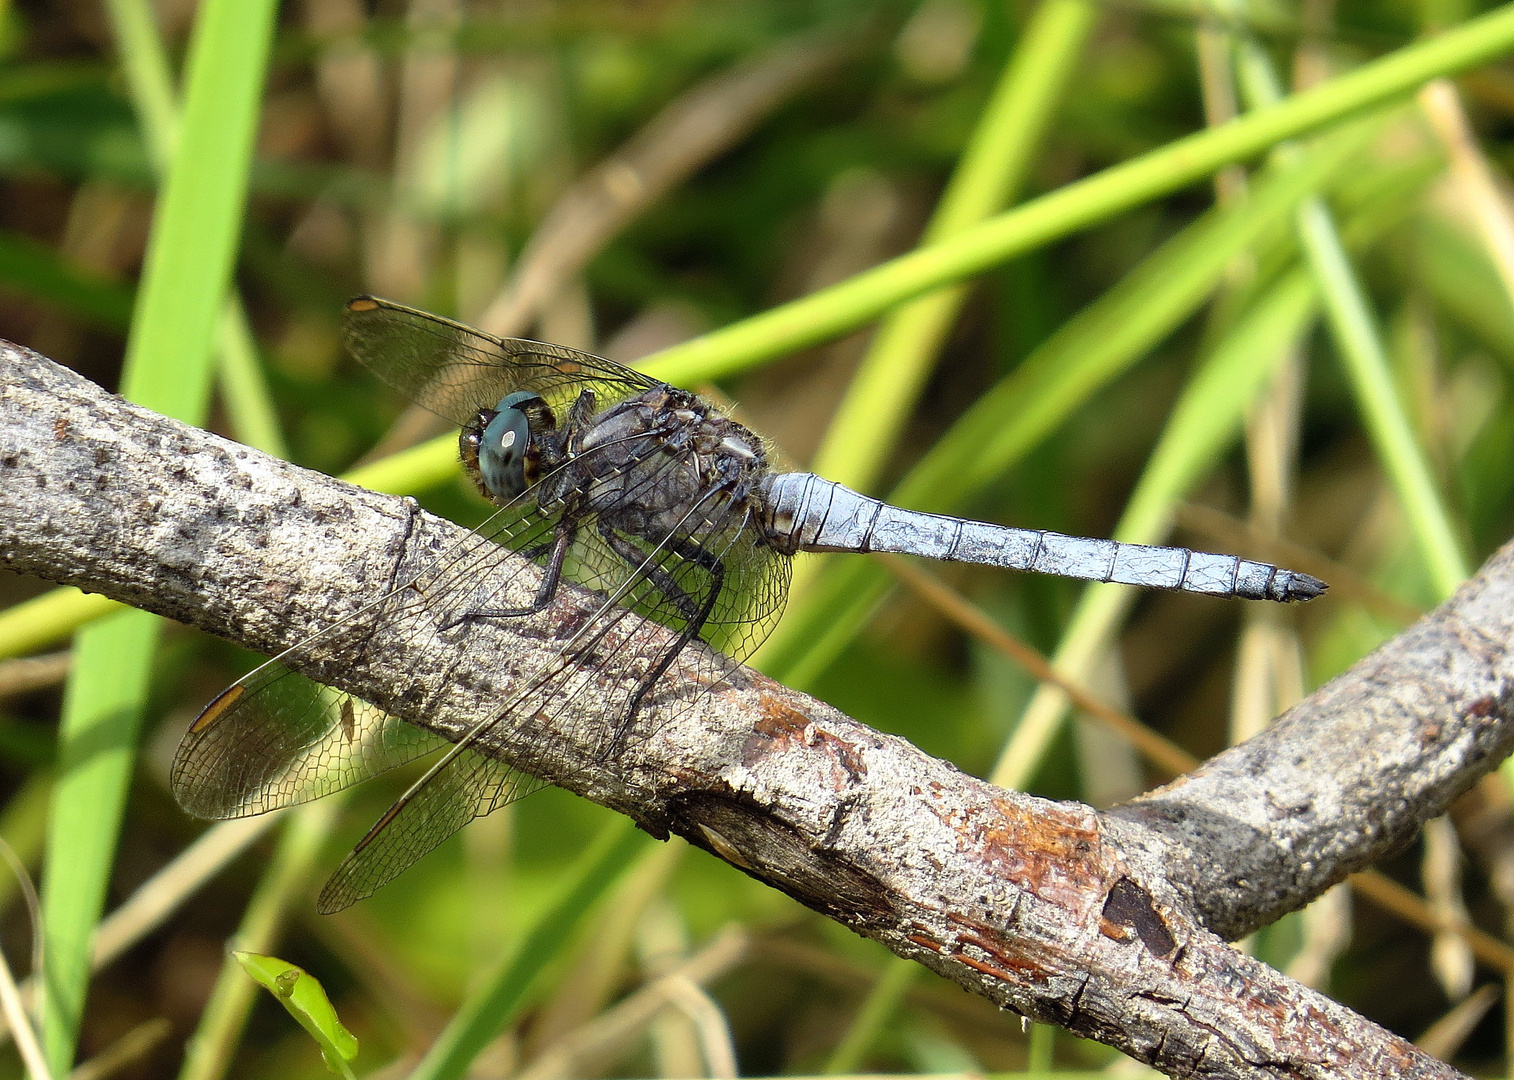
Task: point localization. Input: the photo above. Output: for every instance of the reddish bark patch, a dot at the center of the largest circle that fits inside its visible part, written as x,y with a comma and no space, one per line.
986,969
925,942
781,728
1009,964
1483,707
1046,849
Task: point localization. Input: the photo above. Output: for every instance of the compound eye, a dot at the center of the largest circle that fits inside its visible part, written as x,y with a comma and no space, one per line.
502,454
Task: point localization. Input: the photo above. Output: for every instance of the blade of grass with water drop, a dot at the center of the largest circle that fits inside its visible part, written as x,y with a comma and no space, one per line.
304,835
304,998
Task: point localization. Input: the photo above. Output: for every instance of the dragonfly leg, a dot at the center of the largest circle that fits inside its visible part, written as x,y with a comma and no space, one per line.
551,578
695,612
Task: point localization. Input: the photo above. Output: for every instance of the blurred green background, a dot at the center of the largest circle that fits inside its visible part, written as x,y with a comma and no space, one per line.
1303,357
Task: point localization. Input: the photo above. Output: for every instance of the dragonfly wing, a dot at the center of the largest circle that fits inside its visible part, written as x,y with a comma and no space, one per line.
468,785
276,739
454,370
710,581
708,577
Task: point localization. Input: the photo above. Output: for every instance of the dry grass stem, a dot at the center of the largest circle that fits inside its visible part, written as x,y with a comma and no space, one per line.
29,673
590,1046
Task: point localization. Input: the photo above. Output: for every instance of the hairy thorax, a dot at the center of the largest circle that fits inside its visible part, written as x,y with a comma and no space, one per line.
662,463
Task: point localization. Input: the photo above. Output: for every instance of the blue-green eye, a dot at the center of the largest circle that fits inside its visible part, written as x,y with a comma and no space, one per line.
502,450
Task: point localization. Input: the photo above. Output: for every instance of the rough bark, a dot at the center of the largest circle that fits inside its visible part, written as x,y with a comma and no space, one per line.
1107,924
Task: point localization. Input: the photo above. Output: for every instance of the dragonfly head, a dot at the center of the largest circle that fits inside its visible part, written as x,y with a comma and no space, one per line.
501,448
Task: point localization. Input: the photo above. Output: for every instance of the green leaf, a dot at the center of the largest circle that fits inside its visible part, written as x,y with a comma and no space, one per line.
302,994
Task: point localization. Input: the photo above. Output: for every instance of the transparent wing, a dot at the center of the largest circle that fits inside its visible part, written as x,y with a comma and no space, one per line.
278,739
275,738
454,370
469,785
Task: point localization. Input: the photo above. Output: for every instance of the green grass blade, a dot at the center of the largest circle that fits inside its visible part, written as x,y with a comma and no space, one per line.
1207,418
193,242
148,75
409,471
857,300
1354,329
1081,357
189,259
145,60
990,173
502,993
877,1009
243,387
102,712
48,619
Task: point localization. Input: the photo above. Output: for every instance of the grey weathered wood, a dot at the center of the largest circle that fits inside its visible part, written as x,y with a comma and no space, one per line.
1107,924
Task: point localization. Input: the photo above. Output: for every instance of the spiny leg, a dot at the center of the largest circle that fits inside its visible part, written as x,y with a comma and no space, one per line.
559,546
551,578
695,613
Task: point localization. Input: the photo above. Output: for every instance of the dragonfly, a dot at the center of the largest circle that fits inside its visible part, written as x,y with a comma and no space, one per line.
609,484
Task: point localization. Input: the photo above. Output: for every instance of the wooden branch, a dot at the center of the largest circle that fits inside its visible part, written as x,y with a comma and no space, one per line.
1102,923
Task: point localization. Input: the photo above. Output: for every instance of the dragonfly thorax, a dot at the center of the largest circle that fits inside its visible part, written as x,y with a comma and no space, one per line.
658,464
